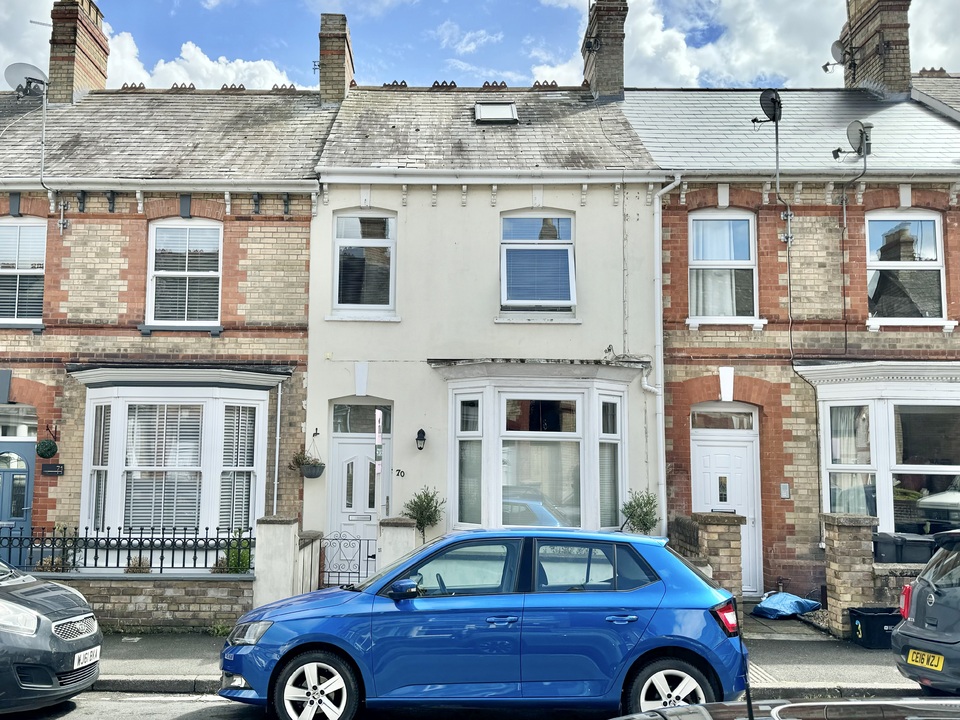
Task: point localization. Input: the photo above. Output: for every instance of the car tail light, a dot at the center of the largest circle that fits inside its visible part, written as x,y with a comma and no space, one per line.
906,595
726,615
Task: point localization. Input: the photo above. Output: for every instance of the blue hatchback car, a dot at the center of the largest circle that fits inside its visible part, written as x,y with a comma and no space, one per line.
511,618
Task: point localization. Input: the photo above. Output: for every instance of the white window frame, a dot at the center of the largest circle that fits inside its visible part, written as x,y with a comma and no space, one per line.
754,320
881,386
153,273
213,401
874,265
22,222
355,311
493,394
507,304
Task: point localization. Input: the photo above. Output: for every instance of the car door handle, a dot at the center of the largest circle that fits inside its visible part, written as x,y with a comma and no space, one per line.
621,619
502,619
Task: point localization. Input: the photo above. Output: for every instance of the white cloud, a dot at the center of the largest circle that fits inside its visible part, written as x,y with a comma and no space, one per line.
210,4
451,36
22,41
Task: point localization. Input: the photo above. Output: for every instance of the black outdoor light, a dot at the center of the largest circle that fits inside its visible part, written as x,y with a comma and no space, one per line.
421,438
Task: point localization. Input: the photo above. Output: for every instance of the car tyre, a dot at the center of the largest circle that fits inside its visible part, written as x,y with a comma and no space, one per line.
316,684
668,682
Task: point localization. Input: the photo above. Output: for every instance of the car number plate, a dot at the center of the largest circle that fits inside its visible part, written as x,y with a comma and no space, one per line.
86,657
931,661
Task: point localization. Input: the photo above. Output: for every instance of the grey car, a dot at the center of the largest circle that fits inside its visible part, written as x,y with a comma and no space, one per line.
927,641
49,642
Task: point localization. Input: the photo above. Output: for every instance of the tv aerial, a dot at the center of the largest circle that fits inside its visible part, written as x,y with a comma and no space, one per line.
26,79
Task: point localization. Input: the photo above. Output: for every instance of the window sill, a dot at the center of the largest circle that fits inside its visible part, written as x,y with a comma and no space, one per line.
148,330
535,318
874,324
755,324
362,318
37,327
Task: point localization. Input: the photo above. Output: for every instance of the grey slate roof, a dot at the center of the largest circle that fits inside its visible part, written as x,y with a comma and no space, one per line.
940,92
168,135
710,131
431,129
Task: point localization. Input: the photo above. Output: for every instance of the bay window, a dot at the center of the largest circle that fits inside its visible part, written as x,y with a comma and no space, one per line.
175,458
538,455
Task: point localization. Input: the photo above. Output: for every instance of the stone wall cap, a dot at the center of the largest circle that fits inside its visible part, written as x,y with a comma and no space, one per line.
277,520
718,518
847,520
401,522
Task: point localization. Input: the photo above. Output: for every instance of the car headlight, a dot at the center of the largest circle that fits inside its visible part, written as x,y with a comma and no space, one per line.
248,633
18,619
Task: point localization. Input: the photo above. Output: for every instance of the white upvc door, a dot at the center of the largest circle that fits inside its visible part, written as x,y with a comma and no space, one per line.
725,478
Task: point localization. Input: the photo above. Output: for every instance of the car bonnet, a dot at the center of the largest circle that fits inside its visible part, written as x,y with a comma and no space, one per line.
307,603
44,598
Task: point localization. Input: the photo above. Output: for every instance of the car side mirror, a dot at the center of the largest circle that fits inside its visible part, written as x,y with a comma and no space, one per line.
404,589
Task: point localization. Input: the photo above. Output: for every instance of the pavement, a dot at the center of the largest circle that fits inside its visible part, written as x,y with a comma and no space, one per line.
789,658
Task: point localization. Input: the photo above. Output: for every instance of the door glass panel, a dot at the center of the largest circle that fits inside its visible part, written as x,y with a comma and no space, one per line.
18,421
18,495
359,418
713,420
722,488
12,461
371,486
348,492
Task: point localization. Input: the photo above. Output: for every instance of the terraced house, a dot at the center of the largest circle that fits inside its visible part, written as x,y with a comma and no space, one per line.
153,315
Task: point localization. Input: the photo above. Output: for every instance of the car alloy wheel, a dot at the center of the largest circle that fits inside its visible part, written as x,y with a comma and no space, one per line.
666,683
315,685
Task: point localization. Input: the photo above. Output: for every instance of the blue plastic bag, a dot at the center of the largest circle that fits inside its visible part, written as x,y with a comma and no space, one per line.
783,605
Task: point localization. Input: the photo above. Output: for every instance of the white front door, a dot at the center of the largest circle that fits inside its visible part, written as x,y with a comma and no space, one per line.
357,500
725,478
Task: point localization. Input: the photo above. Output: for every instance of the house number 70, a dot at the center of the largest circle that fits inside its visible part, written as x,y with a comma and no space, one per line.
400,473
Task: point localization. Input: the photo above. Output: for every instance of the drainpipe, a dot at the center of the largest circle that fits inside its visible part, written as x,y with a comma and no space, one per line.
661,466
276,449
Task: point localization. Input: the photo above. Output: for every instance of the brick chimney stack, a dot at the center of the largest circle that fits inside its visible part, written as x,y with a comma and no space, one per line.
602,48
878,36
78,50
336,58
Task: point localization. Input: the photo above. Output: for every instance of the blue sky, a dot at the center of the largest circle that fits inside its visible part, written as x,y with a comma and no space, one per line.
670,43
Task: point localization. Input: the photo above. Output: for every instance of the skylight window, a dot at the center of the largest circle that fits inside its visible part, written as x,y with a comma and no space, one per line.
496,112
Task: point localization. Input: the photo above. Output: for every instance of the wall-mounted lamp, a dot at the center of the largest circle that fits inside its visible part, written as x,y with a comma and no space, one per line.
421,439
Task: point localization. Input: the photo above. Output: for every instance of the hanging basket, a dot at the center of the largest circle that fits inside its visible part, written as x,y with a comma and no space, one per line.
47,449
312,471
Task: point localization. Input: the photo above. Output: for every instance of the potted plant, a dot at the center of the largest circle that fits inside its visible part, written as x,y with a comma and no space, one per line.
47,449
640,511
310,466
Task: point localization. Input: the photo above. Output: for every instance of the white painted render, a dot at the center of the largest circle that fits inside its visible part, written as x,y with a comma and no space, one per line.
448,308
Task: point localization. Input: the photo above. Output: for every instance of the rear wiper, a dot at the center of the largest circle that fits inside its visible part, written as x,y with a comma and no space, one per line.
932,584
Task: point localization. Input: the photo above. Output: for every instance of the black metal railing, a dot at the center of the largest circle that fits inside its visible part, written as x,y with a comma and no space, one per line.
347,558
129,549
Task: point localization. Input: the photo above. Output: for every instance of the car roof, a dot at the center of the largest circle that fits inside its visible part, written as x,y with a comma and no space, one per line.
566,533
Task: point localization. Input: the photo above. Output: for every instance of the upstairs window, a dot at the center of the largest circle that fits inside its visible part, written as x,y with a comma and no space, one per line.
23,250
185,266
723,265
365,263
537,264
904,266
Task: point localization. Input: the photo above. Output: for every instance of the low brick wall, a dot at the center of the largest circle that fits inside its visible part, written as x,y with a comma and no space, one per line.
889,579
167,603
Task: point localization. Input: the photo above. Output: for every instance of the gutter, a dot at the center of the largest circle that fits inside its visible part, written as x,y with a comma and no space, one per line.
428,176
166,185
661,468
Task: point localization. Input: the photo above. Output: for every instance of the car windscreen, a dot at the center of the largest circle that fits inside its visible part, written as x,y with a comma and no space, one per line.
943,570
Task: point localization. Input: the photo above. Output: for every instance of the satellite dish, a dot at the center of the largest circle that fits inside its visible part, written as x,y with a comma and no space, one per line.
837,51
25,78
771,105
858,135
